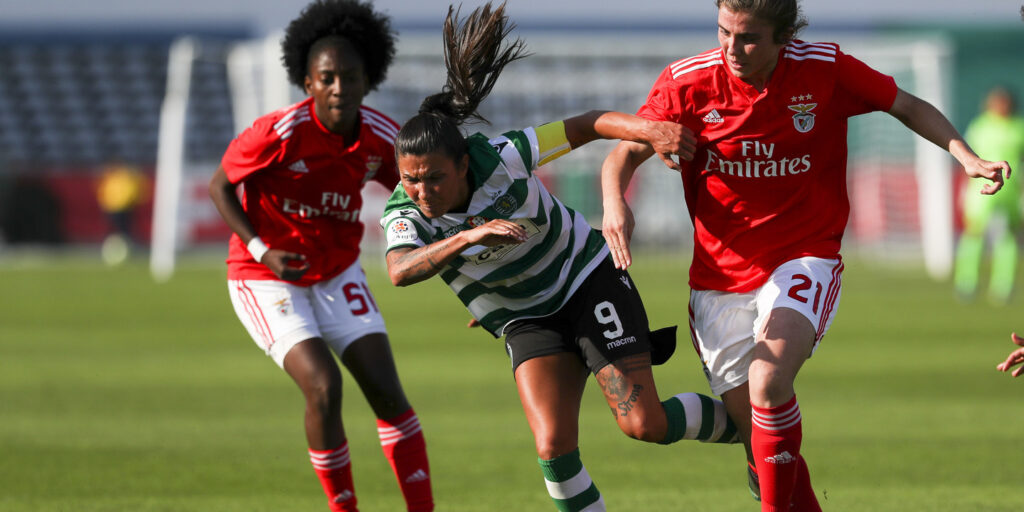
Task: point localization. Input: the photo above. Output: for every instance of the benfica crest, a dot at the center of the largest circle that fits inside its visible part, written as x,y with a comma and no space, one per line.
373,162
803,120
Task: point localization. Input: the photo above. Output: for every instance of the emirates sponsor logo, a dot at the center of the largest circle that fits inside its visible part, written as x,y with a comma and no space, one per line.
758,162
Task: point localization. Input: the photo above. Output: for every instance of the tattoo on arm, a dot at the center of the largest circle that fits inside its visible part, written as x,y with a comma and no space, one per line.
421,263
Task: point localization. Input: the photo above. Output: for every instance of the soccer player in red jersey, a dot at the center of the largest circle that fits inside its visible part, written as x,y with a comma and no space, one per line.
766,191
289,187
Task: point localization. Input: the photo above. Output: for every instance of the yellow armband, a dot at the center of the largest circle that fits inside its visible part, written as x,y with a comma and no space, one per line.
552,142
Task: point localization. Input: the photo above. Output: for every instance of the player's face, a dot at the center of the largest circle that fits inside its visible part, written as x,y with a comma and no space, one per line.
749,46
337,81
435,182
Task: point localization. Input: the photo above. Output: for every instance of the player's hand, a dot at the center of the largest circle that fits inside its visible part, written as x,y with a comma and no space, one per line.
617,229
1016,357
669,139
288,266
992,171
497,232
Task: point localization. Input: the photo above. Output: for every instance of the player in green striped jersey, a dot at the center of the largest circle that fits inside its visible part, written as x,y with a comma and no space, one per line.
529,268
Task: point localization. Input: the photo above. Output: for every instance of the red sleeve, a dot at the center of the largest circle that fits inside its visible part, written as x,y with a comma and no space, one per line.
664,102
863,88
256,148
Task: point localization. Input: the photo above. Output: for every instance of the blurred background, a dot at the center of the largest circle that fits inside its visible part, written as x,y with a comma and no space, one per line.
114,113
118,393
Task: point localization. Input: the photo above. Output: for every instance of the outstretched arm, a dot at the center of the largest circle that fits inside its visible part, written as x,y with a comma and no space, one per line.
666,138
616,173
925,120
1016,357
409,266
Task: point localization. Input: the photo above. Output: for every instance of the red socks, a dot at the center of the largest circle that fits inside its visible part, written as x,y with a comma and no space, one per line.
406,450
335,472
775,440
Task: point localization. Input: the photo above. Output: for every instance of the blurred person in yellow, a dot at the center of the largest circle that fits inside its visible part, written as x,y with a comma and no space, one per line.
997,133
121,189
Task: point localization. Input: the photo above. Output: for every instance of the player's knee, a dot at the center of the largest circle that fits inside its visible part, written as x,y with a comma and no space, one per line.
551,446
323,392
643,427
769,388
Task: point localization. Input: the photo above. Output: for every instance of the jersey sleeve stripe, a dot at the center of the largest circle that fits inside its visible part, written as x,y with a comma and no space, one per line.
285,130
820,46
683,71
710,54
812,56
380,125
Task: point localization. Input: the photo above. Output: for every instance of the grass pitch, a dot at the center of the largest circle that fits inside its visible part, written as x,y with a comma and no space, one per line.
119,394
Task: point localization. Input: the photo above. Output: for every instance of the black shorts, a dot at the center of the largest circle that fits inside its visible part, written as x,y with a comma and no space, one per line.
603,321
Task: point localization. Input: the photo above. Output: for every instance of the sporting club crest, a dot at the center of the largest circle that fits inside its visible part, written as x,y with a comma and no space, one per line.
506,204
803,120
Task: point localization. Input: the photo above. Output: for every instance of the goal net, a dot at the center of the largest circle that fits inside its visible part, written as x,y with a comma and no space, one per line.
901,187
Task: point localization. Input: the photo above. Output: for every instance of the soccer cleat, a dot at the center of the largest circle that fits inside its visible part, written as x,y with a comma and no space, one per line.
663,344
753,483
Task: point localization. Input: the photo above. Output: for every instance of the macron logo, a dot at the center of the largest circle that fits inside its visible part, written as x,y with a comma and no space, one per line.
625,281
713,117
782,458
418,476
298,166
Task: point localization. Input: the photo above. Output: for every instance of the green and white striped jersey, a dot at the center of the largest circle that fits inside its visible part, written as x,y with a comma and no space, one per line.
507,282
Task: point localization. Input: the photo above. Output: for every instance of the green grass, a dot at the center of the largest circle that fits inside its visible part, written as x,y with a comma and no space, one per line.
119,394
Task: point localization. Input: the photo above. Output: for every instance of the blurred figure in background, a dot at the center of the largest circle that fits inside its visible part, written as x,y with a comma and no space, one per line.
293,265
121,189
997,134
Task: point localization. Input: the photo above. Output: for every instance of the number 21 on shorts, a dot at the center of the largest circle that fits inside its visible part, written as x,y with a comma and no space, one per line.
801,291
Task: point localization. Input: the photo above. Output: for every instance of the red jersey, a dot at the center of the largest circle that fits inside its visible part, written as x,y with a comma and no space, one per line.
767,183
302,187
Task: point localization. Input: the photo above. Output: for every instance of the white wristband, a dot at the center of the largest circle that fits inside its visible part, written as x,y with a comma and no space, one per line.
257,248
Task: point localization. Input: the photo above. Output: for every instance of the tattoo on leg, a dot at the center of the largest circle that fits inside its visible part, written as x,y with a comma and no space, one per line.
615,388
627,405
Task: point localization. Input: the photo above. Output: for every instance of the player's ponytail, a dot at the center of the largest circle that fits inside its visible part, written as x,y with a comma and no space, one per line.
475,52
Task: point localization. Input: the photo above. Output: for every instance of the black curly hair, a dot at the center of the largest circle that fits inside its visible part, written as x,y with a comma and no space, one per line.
369,32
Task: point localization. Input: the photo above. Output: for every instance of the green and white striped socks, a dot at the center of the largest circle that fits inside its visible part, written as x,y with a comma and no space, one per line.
569,485
695,416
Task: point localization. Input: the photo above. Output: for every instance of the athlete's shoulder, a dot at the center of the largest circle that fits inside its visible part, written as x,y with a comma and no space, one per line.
282,123
379,124
695,68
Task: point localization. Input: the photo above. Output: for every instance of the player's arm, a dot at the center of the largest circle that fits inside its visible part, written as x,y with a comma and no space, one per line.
407,265
225,198
666,138
616,173
926,120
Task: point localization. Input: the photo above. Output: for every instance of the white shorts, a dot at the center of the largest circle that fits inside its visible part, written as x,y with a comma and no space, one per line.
724,325
279,315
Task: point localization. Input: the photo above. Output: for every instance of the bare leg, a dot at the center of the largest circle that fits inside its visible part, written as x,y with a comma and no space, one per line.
311,365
